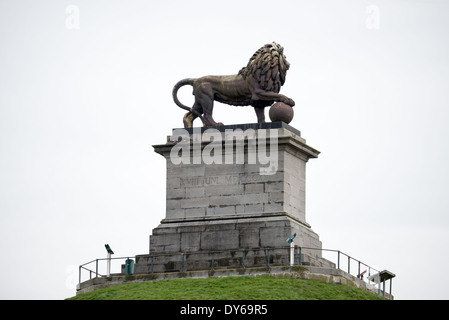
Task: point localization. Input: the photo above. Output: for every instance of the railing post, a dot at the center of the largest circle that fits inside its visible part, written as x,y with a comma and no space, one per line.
182,262
338,264
268,258
292,254
109,265
300,256
96,268
349,264
391,280
79,275
378,289
359,269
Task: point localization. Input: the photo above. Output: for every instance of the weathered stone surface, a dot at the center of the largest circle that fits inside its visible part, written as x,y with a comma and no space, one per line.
227,208
240,186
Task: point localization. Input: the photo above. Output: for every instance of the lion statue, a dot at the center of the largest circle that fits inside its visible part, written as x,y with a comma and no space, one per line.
258,84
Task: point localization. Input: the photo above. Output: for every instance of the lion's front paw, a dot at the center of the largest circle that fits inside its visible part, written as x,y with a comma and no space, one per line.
289,101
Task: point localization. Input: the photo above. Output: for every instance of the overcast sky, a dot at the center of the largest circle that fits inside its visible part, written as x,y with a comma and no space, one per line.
85,91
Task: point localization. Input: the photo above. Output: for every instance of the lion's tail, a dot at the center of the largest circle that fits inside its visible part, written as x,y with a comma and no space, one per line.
180,84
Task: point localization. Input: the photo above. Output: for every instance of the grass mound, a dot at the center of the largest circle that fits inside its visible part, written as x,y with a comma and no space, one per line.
230,288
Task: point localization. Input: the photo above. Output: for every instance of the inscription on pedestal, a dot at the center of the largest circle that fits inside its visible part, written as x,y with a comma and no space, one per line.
219,180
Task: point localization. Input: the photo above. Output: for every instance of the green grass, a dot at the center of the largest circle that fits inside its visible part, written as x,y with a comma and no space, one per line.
230,288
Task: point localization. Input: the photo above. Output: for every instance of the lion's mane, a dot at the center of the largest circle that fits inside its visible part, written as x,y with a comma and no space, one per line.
268,66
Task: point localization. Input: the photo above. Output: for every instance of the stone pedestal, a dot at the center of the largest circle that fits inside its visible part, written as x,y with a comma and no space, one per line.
234,195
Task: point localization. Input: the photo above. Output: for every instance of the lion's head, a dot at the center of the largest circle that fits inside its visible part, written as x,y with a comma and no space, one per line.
268,66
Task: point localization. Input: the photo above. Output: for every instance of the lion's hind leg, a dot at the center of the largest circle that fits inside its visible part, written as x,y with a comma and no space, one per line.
207,104
204,99
190,116
188,119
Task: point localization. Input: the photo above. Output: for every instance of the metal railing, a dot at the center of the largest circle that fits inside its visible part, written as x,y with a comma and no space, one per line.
345,265
343,261
99,270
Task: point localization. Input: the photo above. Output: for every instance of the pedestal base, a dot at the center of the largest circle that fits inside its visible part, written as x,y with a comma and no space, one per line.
229,243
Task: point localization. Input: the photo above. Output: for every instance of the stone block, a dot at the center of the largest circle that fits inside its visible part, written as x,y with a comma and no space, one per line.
175,214
220,240
190,241
173,183
194,203
223,169
165,242
224,210
176,193
277,196
185,171
253,208
251,188
173,204
194,192
195,212
274,186
256,198
224,190
273,207
249,238
274,236
225,200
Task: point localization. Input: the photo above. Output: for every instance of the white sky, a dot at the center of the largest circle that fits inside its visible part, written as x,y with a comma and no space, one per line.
80,109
